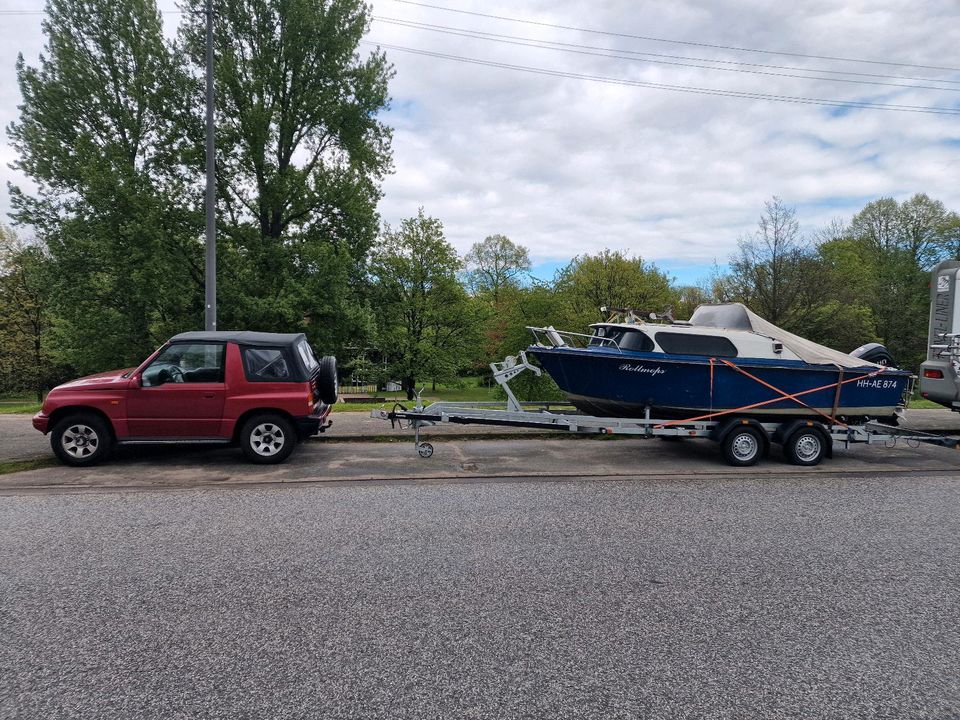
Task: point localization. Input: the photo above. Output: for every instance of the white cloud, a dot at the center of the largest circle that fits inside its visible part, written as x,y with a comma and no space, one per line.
566,166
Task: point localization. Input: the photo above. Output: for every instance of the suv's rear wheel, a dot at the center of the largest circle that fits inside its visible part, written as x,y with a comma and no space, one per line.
267,439
82,439
327,379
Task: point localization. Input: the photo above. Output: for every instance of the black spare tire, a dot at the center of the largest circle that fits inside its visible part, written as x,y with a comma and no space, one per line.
326,381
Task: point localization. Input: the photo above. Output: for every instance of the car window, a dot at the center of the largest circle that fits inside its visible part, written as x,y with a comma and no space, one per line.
306,354
266,365
186,363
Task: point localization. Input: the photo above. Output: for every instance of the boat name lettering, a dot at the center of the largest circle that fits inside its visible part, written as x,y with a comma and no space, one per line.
643,369
877,384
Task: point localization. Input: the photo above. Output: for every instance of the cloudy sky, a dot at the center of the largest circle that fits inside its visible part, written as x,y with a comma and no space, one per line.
592,137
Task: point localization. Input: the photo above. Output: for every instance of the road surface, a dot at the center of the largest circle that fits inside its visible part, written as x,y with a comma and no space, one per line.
736,595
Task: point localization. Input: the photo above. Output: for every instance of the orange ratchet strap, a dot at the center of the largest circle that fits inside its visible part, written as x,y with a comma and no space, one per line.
783,396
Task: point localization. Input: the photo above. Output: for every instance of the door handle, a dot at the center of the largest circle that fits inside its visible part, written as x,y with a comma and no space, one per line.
209,396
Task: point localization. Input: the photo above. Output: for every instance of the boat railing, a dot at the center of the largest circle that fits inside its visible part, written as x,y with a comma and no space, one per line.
551,337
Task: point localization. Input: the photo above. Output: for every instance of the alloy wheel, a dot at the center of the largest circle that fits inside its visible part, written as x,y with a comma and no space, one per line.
80,441
267,439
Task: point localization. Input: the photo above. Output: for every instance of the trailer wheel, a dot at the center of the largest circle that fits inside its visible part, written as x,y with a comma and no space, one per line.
425,449
743,446
805,447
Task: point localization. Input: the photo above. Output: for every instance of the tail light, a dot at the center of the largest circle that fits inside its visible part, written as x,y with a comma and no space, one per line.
935,374
310,398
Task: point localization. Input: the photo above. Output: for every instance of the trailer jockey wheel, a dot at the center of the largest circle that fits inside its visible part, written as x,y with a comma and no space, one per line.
743,446
425,450
805,447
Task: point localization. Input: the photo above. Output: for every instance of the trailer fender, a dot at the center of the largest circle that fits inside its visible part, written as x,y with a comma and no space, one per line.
785,430
720,432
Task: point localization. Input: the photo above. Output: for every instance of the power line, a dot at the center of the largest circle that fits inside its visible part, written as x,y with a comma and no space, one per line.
677,57
865,105
613,54
675,42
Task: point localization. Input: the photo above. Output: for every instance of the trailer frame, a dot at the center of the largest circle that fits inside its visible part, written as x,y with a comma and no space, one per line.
743,439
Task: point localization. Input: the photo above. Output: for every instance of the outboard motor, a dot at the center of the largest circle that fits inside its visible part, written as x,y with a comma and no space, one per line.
940,372
875,353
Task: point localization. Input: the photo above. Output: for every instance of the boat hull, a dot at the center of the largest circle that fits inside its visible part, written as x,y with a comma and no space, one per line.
609,384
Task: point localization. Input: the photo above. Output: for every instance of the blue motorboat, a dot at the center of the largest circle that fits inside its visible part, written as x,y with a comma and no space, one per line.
725,359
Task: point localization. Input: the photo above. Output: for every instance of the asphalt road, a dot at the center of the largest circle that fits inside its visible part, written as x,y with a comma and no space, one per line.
804,596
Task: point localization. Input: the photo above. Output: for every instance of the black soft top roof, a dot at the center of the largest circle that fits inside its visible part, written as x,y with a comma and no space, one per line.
244,337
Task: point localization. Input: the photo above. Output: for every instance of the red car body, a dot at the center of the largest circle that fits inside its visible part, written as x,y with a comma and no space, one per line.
208,409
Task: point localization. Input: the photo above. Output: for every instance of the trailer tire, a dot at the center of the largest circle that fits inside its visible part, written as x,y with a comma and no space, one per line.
805,447
743,446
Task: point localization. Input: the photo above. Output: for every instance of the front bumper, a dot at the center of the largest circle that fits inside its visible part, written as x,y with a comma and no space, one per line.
41,422
313,424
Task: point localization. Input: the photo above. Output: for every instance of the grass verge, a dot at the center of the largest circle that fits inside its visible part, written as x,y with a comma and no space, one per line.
15,466
924,404
15,408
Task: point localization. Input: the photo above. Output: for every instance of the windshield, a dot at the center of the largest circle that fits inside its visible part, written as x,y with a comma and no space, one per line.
623,338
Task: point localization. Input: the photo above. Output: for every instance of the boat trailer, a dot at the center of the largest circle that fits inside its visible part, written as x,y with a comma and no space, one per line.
743,440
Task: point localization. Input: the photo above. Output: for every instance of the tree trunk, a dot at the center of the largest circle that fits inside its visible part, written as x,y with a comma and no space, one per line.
410,385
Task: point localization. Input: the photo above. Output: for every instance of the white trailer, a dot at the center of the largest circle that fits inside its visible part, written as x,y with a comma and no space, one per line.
744,440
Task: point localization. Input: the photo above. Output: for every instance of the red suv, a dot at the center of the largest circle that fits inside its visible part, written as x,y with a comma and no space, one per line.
263,391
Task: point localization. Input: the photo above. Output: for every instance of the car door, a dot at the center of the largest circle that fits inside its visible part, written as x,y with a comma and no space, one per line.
180,394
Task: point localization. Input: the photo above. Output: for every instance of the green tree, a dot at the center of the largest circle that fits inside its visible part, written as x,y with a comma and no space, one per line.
536,305
98,136
494,271
771,268
24,315
612,279
429,327
301,157
835,309
900,241
691,297
496,264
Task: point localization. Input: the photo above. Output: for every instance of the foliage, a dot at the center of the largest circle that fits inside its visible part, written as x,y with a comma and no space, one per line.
110,132
97,134
833,308
428,327
612,279
903,240
302,154
25,362
771,269
495,265
690,297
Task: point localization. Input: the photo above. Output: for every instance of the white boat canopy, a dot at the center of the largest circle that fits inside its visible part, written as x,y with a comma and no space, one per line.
737,316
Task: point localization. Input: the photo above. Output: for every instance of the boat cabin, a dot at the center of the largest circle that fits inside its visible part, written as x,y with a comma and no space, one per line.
685,339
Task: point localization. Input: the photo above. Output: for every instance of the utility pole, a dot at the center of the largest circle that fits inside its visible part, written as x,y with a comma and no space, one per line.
210,314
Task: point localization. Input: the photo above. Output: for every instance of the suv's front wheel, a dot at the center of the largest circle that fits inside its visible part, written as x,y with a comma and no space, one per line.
267,439
82,439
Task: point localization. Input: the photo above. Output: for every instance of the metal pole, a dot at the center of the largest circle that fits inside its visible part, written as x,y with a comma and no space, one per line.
210,315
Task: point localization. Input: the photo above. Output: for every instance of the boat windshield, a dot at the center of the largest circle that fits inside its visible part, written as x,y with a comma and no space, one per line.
623,338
